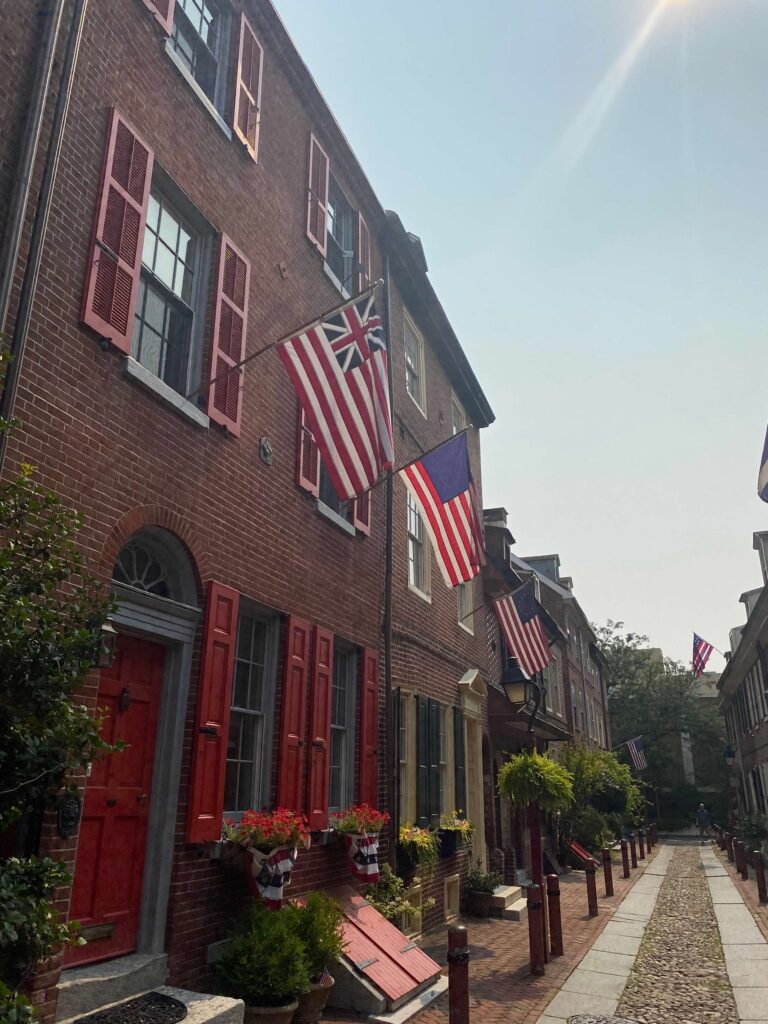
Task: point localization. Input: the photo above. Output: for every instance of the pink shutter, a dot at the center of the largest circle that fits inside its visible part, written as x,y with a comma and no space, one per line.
317,204
163,11
363,253
228,346
109,302
361,513
209,757
320,730
291,769
308,458
247,115
369,728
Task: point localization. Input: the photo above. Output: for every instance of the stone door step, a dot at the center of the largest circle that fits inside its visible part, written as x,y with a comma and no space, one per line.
518,911
413,1006
83,990
504,896
201,1008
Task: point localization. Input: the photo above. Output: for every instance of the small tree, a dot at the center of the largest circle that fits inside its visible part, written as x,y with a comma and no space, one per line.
605,795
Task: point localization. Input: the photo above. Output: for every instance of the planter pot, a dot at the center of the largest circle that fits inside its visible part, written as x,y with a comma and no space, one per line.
270,1014
478,903
406,865
447,842
312,1003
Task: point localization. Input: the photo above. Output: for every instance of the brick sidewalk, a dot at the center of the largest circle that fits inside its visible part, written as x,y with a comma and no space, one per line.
502,991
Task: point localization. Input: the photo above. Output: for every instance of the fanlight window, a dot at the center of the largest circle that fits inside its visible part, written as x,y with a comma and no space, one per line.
137,567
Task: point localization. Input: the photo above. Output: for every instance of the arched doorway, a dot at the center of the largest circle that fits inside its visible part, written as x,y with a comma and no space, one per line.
119,894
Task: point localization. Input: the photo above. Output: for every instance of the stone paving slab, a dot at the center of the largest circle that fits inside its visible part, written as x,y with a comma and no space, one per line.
612,943
602,1020
593,983
620,927
745,951
751,1003
568,1004
748,974
608,963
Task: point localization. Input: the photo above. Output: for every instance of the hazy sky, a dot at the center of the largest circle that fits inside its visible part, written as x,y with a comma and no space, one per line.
590,182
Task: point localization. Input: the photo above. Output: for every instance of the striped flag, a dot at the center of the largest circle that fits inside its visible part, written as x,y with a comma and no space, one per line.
338,366
637,754
701,653
521,627
762,479
441,484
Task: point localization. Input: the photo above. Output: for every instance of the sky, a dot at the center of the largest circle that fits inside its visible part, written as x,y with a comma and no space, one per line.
589,179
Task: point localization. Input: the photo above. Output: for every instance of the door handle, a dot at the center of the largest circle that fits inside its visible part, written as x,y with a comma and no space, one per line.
141,798
111,802
209,730
318,743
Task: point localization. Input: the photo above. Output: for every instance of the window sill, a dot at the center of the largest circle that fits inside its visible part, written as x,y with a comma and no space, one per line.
158,387
420,593
421,410
466,628
335,518
185,73
335,281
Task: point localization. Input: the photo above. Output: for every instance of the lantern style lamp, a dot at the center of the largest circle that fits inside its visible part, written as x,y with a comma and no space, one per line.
730,755
521,692
108,645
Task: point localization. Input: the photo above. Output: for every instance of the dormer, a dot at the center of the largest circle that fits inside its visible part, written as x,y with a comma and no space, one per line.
735,637
750,598
547,565
760,544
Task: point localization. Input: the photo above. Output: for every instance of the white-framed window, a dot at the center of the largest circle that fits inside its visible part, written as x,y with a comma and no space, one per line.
341,767
330,498
341,232
443,727
415,384
458,416
200,38
418,550
451,890
172,293
464,606
406,757
247,779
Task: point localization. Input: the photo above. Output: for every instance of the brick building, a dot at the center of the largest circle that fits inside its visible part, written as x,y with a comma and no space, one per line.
205,204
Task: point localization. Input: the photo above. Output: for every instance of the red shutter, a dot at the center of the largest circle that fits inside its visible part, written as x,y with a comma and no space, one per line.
247,115
291,774
363,252
369,728
317,205
209,757
163,11
109,302
229,327
320,729
361,513
308,458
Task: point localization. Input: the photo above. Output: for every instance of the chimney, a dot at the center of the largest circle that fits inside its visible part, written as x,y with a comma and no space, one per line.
750,598
760,544
567,582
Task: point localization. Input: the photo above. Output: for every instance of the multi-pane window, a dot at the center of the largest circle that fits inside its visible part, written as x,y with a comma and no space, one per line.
464,604
196,34
162,330
443,762
458,419
414,365
340,793
245,746
341,241
406,793
417,548
329,497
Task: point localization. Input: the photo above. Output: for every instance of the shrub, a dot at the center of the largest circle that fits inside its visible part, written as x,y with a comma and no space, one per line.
590,828
752,831
15,1009
482,881
420,844
533,778
390,896
265,962
318,927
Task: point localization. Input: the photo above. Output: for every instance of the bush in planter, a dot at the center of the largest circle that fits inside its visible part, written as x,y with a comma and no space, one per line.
460,829
265,962
420,845
482,881
318,926
390,896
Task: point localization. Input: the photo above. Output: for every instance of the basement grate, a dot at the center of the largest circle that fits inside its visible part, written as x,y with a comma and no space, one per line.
152,1008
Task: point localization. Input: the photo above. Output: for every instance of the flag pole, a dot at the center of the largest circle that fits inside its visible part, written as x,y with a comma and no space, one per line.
393,737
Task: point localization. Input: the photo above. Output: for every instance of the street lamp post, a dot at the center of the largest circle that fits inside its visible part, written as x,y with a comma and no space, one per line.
730,756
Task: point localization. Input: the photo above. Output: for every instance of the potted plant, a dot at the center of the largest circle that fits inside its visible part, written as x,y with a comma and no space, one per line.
480,888
318,923
419,846
391,897
270,840
454,831
265,964
532,778
360,825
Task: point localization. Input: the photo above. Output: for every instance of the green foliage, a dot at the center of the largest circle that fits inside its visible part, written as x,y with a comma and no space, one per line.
265,961
479,880
605,796
15,1008
751,830
318,927
422,845
533,778
390,896
590,828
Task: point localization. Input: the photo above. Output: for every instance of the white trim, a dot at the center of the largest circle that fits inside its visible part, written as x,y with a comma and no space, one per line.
451,882
409,322
335,281
132,368
335,518
189,78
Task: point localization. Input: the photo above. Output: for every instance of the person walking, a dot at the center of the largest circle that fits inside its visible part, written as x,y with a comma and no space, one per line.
703,821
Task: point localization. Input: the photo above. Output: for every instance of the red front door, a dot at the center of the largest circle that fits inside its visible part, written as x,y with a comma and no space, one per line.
106,891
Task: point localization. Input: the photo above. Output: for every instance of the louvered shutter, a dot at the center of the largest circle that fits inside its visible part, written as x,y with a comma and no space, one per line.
317,203
369,728
361,513
291,768
209,756
247,115
229,329
434,763
320,729
459,758
308,458
422,762
363,252
109,302
163,11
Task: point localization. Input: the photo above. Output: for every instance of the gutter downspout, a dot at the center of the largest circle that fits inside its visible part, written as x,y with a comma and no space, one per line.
40,222
9,251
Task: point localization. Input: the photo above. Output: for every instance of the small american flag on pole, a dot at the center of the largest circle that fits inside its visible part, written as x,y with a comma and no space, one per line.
338,365
701,653
441,484
521,627
637,753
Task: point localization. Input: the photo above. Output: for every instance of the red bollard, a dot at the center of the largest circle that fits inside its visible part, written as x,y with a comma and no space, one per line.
649,837
737,855
458,975
555,921
741,863
633,849
535,929
589,868
759,863
729,847
608,872
624,858
641,842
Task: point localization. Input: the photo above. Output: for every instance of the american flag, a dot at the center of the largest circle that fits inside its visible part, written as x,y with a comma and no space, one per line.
441,484
637,754
518,616
762,479
338,366
701,653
